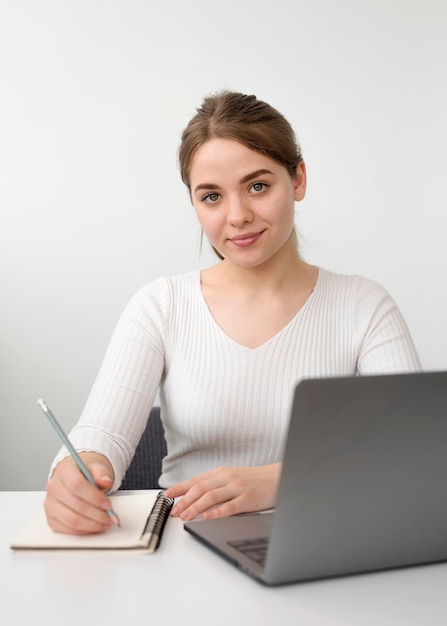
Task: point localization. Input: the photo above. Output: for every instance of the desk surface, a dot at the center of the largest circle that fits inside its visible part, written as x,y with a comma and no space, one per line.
185,583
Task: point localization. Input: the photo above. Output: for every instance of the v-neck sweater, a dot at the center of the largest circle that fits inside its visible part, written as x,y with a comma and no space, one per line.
223,403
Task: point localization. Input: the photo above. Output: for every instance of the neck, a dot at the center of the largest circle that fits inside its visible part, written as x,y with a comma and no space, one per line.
285,269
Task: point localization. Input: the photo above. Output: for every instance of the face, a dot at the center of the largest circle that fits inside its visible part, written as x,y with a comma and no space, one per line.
245,201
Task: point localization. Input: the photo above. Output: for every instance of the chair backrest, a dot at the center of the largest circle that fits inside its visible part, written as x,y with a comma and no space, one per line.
145,468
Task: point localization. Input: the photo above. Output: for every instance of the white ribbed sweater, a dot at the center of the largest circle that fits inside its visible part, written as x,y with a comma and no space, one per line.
223,403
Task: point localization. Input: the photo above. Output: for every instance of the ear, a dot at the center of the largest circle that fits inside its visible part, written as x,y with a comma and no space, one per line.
300,181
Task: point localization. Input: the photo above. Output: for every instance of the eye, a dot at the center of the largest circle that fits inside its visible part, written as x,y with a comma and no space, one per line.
211,198
258,187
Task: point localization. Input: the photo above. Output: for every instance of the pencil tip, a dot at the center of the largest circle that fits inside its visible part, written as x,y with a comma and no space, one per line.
116,520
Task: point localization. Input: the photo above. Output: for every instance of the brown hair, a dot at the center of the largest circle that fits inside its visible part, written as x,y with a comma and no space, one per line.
255,124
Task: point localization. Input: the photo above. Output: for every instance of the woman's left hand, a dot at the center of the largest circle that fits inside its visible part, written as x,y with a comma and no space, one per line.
226,491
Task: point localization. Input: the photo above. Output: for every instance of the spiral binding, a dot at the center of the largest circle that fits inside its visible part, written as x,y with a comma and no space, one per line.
158,516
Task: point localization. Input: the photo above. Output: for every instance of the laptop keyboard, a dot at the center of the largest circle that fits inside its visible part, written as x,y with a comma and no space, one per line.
255,549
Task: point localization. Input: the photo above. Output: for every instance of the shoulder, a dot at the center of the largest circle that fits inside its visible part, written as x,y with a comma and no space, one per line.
360,297
366,302
160,295
164,285
351,286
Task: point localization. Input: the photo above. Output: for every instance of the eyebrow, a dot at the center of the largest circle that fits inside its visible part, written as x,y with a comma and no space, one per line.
255,174
244,179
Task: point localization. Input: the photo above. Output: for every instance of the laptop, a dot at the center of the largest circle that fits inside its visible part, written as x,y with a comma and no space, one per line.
363,485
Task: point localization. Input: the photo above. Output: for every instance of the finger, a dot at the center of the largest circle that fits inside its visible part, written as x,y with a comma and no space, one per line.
226,509
76,525
188,488
208,500
191,495
181,488
76,484
103,482
78,520
75,505
65,505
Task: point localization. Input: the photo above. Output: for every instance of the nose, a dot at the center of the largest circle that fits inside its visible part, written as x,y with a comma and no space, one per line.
239,212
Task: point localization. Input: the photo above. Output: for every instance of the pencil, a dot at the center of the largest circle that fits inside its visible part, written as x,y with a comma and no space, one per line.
79,462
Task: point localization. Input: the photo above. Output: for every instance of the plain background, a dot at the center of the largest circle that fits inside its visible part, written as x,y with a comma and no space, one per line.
94,95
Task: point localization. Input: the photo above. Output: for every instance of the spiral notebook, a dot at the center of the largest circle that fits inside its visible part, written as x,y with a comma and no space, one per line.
142,516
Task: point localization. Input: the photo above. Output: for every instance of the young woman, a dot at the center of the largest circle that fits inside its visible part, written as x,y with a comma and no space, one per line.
226,345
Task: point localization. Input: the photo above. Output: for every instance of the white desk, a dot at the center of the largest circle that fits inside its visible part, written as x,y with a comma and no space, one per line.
185,583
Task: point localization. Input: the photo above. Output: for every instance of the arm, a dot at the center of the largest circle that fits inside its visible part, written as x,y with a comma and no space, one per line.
384,342
112,422
119,403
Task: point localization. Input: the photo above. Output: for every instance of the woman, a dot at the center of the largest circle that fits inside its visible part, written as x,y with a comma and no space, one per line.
226,345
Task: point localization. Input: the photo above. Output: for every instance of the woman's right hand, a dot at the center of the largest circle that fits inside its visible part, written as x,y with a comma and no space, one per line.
74,506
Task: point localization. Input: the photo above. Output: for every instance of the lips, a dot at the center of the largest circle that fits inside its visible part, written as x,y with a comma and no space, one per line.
246,239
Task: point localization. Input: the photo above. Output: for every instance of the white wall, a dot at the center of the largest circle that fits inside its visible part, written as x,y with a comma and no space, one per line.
93,97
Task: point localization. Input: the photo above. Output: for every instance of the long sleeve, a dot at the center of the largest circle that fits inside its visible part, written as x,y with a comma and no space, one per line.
119,403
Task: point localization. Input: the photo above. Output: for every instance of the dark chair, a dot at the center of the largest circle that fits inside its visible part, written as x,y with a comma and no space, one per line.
145,468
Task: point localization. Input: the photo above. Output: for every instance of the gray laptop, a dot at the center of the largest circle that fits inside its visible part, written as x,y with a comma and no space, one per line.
363,485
